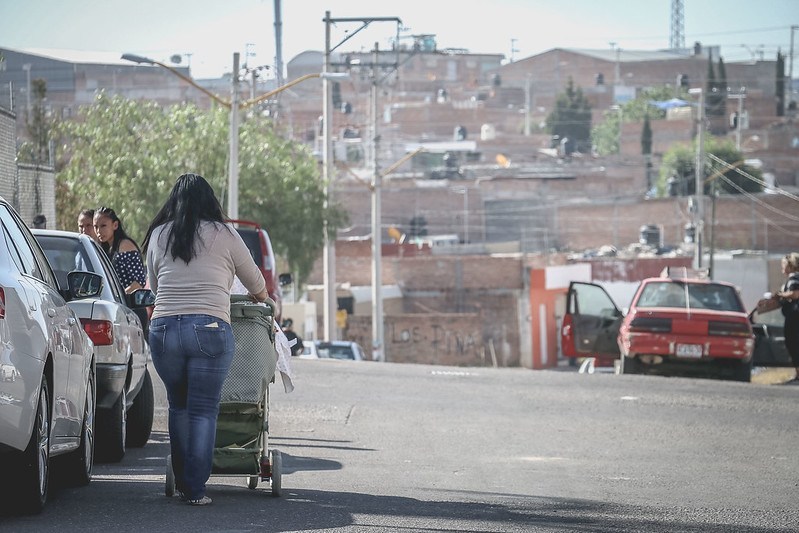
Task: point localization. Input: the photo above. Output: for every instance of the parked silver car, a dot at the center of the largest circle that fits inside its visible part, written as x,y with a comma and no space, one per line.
124,386
47,396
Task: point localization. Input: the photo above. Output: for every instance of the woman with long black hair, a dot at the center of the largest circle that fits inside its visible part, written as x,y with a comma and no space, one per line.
192,257
120,247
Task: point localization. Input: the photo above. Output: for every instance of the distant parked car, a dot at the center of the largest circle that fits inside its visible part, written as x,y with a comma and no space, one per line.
309,350
675,324
124,387
47,393
345,350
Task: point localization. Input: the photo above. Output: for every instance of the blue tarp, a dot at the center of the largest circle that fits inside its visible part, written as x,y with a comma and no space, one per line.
669,104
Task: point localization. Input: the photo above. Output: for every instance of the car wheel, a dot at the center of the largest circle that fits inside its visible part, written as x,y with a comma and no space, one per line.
78,464
631,365
35,467
140,415
743,372
112,428
277,471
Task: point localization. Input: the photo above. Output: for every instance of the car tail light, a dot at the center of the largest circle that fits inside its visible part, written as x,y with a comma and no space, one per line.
101,332
2,303
650,324
725,329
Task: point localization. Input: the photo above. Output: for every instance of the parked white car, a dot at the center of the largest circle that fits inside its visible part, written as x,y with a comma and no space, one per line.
343,350
124,386
48,391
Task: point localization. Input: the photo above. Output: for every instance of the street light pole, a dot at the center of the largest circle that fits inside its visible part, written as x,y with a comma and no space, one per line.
699,190
234,106
329,252
377,227
233,169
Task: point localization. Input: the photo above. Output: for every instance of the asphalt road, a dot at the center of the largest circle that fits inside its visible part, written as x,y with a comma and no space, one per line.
404,448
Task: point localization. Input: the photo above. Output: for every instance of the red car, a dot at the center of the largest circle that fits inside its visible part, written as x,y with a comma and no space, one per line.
674,325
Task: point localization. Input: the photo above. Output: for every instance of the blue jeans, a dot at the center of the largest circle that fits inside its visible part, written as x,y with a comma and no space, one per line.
192,360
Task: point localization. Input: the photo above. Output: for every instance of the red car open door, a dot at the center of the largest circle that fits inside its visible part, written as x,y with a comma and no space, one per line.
591,323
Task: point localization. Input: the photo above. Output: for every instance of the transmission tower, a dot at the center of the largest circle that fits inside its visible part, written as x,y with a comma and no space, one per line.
677,38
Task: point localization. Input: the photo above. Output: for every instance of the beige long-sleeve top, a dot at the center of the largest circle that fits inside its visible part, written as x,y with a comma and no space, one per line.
203,285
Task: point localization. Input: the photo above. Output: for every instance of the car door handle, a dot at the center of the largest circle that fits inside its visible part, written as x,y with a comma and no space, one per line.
51,313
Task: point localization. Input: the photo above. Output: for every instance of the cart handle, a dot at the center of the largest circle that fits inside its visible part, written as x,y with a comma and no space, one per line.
235,298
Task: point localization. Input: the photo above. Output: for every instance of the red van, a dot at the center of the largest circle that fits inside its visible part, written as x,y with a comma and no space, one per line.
257,240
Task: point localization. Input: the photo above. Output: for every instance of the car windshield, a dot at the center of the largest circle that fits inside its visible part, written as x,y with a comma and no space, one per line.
699,296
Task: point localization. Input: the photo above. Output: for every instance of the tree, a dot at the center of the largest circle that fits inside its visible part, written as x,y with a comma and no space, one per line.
679,169
39,125
605,135
571,117
646,137
127,154
780,85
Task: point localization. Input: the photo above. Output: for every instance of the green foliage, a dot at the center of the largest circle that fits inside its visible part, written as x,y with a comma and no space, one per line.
679,162
39,124
572,116
646,137
127,154
605,135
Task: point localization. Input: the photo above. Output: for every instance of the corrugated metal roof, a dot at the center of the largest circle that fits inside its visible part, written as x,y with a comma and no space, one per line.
77,56
629,56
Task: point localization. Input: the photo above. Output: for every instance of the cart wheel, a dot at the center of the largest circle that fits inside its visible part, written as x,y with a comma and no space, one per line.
169,489
277,470
252,482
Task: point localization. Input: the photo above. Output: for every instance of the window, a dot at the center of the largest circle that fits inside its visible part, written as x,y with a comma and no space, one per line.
16,241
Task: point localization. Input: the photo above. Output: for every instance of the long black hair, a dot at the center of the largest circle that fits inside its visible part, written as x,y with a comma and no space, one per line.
191,201
119,233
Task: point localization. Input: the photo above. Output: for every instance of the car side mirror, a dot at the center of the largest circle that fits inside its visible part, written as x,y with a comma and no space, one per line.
141,298
285,279
84,284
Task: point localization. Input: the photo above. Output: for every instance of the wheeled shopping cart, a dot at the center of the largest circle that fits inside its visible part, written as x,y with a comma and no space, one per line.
242,426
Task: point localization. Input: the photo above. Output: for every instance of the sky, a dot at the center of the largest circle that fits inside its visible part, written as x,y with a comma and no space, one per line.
206,33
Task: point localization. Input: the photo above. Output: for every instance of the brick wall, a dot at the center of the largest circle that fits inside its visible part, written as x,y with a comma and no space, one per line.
458,339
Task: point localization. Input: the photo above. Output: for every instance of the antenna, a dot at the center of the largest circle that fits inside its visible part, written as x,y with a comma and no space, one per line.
677,37
513,48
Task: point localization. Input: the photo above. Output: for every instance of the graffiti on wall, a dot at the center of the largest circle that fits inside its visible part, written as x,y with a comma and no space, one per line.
436,338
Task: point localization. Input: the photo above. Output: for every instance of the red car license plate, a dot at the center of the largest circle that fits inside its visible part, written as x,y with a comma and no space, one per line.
689,350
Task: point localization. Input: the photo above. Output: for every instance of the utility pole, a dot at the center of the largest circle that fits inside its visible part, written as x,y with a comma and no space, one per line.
377,227
790,69
329,252
233,169
700,180
278,44
528,89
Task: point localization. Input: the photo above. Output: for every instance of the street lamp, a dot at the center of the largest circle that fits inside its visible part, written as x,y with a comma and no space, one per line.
234,105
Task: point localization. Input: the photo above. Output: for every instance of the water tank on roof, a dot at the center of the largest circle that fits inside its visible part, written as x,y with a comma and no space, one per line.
488,132
650,234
